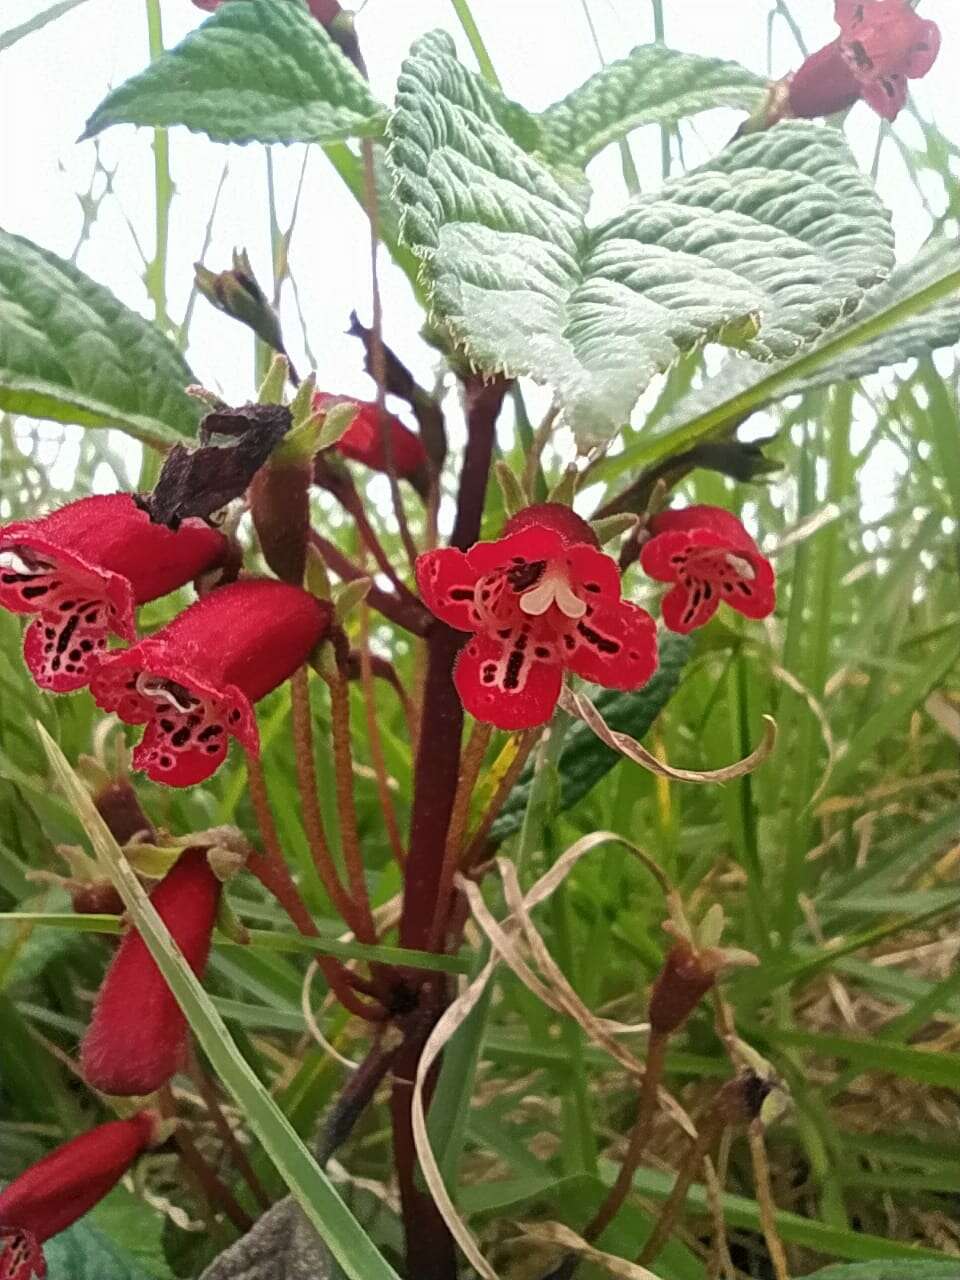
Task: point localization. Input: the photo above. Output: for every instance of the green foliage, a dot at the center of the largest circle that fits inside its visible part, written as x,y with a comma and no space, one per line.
256,71
652,85
84,1253
898,1269
526,287
70,351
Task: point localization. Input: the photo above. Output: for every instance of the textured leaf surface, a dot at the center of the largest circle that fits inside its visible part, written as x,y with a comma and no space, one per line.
256,71
70,351
937,327
82,1253
780,230
652,85
586,760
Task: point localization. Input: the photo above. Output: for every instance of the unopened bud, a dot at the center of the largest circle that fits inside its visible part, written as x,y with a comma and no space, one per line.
686,977
237,294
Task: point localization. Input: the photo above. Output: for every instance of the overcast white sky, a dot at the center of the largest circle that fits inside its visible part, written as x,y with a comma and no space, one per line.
51,81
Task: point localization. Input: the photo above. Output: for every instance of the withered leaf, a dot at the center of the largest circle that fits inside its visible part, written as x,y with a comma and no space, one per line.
197,482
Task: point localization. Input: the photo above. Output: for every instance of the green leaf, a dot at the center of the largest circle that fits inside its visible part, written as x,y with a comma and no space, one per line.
256,71
83,1253
585,759
894,1269
71,352
651,85
917,335
781,230
311,1187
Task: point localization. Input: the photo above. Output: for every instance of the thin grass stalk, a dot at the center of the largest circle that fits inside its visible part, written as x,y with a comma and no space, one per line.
768,1208
241,1161
215,1192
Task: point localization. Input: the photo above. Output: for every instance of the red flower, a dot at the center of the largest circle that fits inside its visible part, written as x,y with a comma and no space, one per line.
83,569
363,442
710,556
195,680
540,600
62,1187
137,1038
882,44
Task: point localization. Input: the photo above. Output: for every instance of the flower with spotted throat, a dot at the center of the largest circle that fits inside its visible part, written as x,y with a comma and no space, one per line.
83,569
63,1186
193,683
540,600
709,556
882,44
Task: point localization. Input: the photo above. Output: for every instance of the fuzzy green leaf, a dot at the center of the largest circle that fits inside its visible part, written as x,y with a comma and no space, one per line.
256,71
652,85
71,352
781,231
82,1253
917,335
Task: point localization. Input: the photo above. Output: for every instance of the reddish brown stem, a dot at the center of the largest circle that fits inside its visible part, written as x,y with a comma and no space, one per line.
349,834
313,824
646,1110
217,1195
469,772
374,741
407,613
208,1092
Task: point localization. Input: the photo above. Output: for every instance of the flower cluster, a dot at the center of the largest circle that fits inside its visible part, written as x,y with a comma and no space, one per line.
83,570
544,599
63,1186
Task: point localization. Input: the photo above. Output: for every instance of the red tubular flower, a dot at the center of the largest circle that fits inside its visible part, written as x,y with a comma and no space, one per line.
83,569
363,442
882,44
710,557
63,1186
540,600
194,681
137,1038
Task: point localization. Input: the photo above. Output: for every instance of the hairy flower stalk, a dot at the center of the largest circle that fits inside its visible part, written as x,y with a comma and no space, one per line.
63,1186
83,569
137,1039
194,682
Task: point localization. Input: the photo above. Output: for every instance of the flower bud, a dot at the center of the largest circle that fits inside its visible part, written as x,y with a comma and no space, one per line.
137,1038
237,294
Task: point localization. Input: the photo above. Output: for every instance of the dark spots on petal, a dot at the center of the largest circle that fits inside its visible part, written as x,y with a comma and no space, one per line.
526,575
860,56
591,586
488,672
211,731
166,762
511,677
603,643
86,646
75,655
541,651
167,726
180,738
460,594
234,716
212,748
745,588
505,633
34,593
49,632
569,642
67,605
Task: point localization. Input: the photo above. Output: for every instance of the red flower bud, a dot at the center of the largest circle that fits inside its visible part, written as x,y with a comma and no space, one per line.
194,682
67,1183
83,569
137,1038
822,85
540,600
686,977
363,440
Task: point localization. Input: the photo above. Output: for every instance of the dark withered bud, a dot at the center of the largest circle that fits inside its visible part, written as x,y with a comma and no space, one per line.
97,898
279,499
237,294
741,1100
119,806
686,977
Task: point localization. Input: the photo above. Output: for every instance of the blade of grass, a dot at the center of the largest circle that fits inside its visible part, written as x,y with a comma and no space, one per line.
316,1195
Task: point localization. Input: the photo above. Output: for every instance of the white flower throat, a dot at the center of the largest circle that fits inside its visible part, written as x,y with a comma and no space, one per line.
553,588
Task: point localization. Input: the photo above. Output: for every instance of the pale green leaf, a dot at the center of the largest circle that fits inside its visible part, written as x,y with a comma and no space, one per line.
780,231
256,71
652,85
71,352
